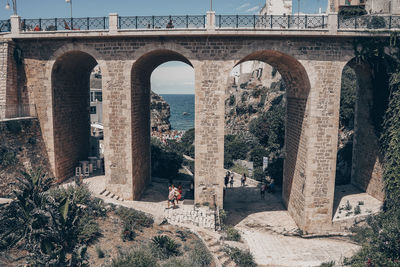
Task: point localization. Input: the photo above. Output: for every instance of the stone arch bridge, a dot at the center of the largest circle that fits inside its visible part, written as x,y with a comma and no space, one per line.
51,70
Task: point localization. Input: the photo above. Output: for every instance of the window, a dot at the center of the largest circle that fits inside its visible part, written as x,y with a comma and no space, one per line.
92,110
98,96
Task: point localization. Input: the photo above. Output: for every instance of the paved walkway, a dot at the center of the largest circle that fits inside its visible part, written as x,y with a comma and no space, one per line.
266,227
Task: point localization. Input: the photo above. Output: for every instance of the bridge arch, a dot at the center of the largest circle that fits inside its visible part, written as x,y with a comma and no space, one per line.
70,84
298,89
371,102
141,72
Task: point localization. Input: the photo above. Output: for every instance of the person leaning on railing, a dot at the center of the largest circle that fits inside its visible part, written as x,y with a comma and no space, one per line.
170,25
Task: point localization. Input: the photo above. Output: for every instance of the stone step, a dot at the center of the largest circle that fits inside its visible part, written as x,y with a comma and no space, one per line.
107,193
102,192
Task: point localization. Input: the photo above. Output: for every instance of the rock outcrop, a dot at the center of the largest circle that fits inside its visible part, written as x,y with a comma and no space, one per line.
160,113
250,94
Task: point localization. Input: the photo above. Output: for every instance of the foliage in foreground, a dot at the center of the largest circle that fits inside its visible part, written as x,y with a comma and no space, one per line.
164,247
133,220
48,226
240,257
136,257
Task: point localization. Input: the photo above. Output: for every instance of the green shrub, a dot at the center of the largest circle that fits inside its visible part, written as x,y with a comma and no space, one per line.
165,163
240,257
164,247
100,253
46,227
235,148
328,264
88,229
222,215
232,234
244,96
357,210
177,262
275,170
269,128
232,100
14,126
199,255
7,158
348,206
132,220
256,92
259,174
136,257
257,154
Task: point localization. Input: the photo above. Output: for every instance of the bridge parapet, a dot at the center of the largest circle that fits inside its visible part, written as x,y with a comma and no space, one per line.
330,24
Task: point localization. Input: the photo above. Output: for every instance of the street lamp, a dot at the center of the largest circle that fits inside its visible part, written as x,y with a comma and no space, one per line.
70,2
14,2
211,5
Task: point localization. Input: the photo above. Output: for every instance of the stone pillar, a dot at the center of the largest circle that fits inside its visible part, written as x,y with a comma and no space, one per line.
15,24
117,128
210,82
333,6
9,97
333,23
323,121
113,22
210,21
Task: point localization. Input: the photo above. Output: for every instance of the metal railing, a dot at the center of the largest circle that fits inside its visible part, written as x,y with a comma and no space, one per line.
5,25
162,22
65,24
11,111
272,21
368,22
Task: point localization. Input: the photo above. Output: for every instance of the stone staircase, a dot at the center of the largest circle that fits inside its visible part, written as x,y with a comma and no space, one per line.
215,246
108,194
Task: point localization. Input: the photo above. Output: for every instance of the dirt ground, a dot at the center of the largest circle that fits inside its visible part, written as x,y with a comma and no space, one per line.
111,242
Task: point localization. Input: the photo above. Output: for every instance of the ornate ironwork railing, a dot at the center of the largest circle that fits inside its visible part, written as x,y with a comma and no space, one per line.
368,22
5,25
10,111
65,24
162,22
272,21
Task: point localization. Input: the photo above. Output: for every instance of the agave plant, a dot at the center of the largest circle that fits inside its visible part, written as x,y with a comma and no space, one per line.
46,228
165,246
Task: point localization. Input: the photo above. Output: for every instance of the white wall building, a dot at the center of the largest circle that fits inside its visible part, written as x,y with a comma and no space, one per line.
277,7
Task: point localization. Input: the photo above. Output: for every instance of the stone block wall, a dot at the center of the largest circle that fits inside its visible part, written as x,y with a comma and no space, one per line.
70,79
22,141
367,171
296,157
312,138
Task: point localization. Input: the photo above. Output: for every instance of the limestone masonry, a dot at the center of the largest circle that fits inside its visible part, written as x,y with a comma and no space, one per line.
52,71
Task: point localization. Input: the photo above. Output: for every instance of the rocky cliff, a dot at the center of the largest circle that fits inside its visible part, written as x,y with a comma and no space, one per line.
249,95
160,113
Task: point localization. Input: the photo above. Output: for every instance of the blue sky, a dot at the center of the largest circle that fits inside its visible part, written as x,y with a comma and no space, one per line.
172,77
85,8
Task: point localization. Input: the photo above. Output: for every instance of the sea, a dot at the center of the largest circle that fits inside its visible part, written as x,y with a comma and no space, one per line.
182,111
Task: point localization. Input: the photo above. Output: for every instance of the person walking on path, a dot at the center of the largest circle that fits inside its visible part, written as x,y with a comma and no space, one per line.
226,181
271,187
243,180
231,181
263,188
171,197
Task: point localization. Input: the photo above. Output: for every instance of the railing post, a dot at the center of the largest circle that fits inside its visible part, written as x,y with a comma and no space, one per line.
333,22
104,23
288,21
390,22
237,21
152,18
136,22
271,21
72,23
40,25
113,22
254,21
210,25
355,22
323,21
15,24
187,21
87,23
55,24
305,22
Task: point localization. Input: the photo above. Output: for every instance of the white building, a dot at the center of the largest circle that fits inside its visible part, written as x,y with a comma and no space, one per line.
277,7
